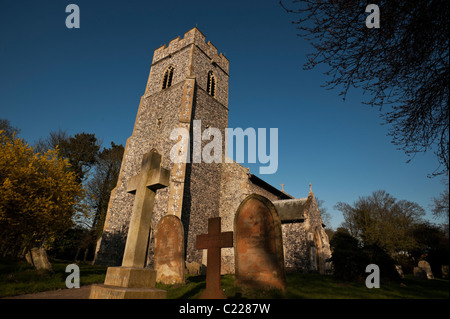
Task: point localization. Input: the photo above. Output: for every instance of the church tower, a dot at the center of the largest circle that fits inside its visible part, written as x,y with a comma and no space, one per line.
188,82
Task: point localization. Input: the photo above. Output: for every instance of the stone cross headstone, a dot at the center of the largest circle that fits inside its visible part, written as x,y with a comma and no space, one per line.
144,186
214,241
169,250
258,247
132,280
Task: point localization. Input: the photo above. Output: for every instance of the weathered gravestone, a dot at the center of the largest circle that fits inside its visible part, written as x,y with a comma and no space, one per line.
258,245
132,280
444,269
419,273
214,241
399,270
37,257
169,250
425,266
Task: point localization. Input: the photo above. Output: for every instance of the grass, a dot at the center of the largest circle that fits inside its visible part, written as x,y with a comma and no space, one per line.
318,287
17,277
315,286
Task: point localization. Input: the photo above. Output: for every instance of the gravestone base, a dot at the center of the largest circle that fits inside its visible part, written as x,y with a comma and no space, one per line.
111,292
128,283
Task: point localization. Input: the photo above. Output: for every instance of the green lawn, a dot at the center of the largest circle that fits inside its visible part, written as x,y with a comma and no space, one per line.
17,277
315,286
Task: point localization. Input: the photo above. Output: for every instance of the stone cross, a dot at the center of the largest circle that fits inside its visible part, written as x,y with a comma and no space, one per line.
214,241
143,185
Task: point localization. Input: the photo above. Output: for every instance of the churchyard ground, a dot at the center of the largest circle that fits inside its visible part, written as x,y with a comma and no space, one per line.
316,286
17,277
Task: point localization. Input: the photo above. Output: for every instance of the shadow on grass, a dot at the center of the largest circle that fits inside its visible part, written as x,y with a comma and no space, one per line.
17,277
315,286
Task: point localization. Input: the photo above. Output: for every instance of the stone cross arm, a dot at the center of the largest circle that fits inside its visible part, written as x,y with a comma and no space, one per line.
144,186
155,176
157,179
208,241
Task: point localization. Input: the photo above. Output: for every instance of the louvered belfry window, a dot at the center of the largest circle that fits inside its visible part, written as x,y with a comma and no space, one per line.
211,86
168,76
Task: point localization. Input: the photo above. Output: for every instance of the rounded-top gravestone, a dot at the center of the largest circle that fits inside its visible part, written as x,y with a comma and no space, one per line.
258,246
169,250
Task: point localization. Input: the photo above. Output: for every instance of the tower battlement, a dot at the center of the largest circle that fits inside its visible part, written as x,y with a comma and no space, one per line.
193,36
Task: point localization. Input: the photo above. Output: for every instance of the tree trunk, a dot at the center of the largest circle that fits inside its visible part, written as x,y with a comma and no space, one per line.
85,254
77,253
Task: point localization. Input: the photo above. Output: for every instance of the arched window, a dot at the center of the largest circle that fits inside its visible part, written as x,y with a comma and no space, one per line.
211,85
167,79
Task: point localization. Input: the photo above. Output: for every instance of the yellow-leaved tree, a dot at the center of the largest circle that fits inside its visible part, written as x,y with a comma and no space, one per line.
39,196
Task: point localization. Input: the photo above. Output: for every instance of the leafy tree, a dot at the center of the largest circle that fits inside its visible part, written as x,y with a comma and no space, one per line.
68,245
379,219
8,129
80,150
378,256
52,141
432,245
441,205
349,260
403,66
102,183
39,196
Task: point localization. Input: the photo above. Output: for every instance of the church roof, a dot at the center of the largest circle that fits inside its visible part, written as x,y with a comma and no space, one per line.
258,181
291,210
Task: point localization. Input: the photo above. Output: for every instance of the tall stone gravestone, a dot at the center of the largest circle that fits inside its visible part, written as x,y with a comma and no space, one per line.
37,257
169,250
259,258
132,280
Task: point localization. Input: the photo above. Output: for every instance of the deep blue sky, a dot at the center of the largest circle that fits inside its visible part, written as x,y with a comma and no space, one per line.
91,79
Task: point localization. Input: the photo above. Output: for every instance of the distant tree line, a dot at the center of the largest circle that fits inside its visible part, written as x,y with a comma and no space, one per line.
385,231
54,194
